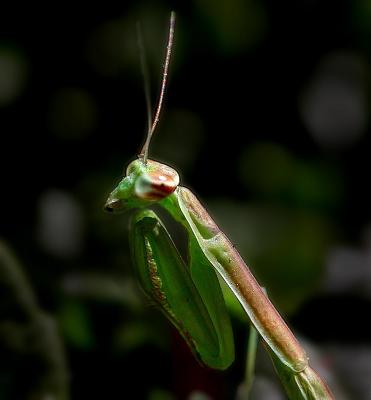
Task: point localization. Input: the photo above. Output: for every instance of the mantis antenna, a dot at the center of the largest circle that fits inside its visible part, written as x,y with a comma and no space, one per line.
146,83
152,125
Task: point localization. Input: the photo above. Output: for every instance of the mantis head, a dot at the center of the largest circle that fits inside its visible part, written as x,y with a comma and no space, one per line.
146,181
143,185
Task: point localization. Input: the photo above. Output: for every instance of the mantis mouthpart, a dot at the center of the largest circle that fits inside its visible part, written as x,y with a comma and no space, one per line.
190,295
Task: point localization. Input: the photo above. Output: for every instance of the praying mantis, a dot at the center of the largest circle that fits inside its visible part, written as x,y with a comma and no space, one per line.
190,295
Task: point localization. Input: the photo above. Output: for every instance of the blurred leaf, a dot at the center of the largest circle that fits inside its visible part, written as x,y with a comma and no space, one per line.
17,295
197,395
31,348
104,288
361,13
160,394
147,330
76,324
267,168
13,74
237,24
271,172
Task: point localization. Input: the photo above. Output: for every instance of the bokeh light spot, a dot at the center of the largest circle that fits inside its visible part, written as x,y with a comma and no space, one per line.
334,106
60,228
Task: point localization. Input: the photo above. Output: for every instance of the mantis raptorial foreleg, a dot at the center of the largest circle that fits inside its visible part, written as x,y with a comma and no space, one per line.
193,300
189,296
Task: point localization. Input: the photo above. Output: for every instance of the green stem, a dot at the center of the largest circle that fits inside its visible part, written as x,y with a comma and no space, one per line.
252,345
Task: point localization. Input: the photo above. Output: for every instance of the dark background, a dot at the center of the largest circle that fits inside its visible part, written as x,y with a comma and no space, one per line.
266,117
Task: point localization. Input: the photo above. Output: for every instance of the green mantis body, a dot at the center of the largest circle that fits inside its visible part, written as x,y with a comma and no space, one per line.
190,295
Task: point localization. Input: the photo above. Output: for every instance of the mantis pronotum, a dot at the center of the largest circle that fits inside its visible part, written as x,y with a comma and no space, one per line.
190,296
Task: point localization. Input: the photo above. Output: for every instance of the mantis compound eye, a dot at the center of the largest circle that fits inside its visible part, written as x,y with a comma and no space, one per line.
157,182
